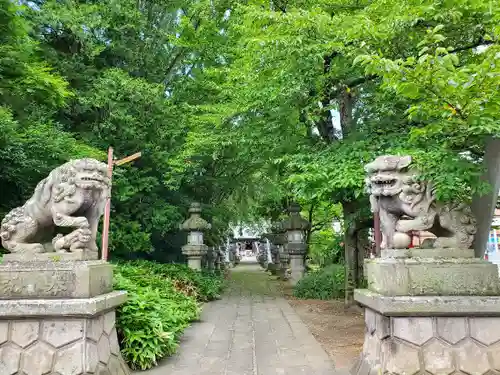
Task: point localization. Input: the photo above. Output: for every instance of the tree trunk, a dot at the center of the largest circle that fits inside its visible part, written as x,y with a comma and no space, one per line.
350,266
362,245
346,104
484,207
350,242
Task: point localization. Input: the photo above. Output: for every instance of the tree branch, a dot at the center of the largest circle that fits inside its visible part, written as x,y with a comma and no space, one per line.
480,42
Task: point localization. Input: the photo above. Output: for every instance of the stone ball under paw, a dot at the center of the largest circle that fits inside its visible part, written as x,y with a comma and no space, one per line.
401,240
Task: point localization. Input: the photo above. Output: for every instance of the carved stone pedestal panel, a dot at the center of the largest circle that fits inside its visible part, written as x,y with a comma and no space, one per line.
414,272
55,279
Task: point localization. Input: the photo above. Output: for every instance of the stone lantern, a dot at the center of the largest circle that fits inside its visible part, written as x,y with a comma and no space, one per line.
277,239
195,249
284,261
295,247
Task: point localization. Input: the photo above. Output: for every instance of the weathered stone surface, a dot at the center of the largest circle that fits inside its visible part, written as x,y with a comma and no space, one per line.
438,358
372,348
104,349
428,305
4,332
61,279
109,322
115,366
383,324
57,202
414,330
92,357
472,358
103,370
370,321
62,332
397,192
65,307
485,330
37,359
24,332
114,346
95,328
61,346
444,347
10,359
418,253
194,262
53,297
84,255
401,358
296,268
428,277
452,329
195,225
495,356
69,360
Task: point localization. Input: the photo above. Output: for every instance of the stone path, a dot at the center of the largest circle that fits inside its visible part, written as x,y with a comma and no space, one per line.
251,331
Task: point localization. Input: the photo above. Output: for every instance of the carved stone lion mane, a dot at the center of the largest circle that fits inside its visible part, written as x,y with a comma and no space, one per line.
405,204
73,195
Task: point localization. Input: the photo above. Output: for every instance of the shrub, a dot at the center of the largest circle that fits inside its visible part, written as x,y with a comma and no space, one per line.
162,302
326,283
204,285
326,247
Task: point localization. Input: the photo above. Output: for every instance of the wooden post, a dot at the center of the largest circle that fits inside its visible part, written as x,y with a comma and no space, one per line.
107,209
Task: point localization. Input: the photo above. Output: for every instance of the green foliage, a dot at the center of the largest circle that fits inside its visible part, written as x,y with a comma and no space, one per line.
162,301
325,283
326,248
207,285
245,106
143,327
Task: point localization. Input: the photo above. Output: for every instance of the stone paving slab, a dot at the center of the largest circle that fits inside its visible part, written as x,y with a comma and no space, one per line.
248,332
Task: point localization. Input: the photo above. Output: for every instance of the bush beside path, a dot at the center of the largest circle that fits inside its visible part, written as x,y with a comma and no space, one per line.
163,300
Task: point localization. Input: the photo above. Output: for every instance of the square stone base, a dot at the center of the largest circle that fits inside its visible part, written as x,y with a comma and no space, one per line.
419,275
61,345
452,337
55,279
296,268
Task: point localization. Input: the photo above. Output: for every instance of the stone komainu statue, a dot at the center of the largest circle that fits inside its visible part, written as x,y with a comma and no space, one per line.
406,204
73,195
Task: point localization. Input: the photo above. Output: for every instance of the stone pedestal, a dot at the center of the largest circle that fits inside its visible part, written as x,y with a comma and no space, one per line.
426,315
448,272
284,265
194,262
58,317
297,268
194,255
295,246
